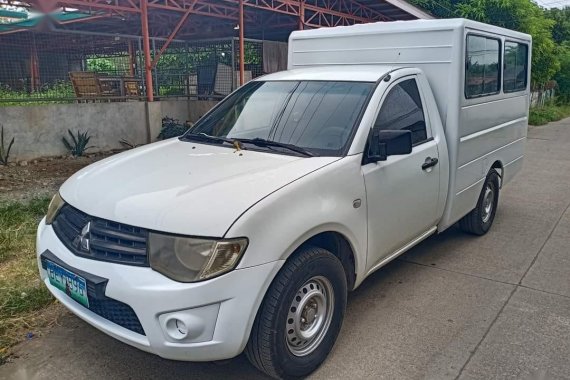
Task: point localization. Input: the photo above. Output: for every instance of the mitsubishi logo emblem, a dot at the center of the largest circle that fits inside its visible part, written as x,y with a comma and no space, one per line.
83,238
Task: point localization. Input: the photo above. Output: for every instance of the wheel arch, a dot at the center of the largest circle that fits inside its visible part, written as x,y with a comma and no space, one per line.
338,245
499,168
327,238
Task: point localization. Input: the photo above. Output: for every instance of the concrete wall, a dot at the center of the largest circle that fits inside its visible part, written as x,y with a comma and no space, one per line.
182,110
38,130
198,108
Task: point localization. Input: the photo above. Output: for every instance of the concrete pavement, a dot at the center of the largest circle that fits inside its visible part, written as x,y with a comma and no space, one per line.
455,307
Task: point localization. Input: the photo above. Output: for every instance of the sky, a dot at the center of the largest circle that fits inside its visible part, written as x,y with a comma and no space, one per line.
553,3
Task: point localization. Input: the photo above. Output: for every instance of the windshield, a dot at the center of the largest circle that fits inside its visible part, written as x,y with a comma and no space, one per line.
318,116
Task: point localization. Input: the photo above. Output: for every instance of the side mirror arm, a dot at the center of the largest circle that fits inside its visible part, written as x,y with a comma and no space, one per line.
376,150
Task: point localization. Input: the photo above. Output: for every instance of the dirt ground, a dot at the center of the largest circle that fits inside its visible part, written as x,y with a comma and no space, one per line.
42,176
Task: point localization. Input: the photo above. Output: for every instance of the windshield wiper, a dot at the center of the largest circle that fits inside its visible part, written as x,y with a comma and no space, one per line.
206,137
268,143
256,141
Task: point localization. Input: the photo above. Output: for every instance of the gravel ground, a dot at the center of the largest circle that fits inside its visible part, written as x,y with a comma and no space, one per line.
29,179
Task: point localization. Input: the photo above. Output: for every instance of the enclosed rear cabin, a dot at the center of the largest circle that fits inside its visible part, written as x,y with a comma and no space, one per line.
480,77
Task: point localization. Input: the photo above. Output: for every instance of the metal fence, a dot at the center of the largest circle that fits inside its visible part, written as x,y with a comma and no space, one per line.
56,67
539,98
204,69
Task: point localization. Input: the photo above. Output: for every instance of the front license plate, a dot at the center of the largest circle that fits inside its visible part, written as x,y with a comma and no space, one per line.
69,283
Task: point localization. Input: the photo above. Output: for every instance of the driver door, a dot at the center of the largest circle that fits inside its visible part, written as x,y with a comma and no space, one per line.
402,193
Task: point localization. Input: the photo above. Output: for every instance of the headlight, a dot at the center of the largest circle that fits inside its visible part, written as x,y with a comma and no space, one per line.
190,259
53,209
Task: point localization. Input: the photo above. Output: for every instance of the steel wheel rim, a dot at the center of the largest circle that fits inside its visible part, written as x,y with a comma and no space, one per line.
488,199
309,316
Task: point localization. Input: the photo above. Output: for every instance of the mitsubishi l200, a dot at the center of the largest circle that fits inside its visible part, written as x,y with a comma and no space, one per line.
247,232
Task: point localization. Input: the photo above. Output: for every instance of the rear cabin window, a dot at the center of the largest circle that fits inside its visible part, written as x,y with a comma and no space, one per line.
516,67
482,74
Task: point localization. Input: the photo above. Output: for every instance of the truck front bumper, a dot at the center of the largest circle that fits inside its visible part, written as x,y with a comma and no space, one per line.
209,320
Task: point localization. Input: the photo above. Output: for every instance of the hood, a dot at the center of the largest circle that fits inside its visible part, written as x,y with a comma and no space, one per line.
183,187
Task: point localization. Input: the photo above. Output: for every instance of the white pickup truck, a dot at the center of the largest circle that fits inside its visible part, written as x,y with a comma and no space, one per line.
247,232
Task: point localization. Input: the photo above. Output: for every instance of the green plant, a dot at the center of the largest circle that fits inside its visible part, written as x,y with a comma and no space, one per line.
171,90
172,128
101,65
4,152
78,144
56,92
128,144
548,113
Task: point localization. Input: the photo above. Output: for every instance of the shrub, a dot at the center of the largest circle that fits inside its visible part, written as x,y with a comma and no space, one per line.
548,113
78,144
172,128
4,152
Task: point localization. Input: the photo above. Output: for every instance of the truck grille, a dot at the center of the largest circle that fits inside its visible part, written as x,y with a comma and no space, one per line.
116,312
100,239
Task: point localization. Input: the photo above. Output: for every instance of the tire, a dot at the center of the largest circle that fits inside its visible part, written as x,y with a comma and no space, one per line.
275,347
480,219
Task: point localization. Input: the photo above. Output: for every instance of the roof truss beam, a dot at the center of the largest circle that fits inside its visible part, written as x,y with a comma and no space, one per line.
330,12
89,5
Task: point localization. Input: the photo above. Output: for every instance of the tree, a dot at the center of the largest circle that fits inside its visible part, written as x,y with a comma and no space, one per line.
438,8
561,30
561,35
563,76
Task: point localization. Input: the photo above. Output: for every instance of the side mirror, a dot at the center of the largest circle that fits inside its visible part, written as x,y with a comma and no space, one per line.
388,143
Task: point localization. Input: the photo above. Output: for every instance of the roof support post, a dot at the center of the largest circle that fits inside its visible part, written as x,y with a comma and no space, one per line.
34,67
131,58
301,14
241,46
146,49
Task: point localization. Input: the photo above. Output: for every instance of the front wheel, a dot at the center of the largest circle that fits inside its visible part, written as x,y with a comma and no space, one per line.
300,316
480,219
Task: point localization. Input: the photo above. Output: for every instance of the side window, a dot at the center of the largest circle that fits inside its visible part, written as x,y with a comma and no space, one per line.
482,66
402,109
516,67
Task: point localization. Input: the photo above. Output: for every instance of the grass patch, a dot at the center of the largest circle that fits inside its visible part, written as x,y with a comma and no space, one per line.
18,222
61,91
548,113
22,296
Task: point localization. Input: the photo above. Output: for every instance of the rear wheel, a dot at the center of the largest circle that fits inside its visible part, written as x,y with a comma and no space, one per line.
301,315
480,219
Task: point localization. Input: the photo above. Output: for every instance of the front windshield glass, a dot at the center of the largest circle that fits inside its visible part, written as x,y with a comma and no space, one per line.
318,116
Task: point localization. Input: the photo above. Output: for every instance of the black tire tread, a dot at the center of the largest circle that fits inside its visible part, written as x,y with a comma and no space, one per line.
471,223
258,349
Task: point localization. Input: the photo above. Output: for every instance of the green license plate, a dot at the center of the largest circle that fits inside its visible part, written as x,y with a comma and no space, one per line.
69,283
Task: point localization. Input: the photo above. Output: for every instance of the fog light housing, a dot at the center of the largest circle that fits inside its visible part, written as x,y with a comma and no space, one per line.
176,328
191,325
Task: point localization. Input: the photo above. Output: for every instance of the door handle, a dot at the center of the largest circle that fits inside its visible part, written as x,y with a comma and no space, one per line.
429,163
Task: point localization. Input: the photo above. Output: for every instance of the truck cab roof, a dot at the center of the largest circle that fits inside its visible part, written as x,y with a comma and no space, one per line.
351,73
